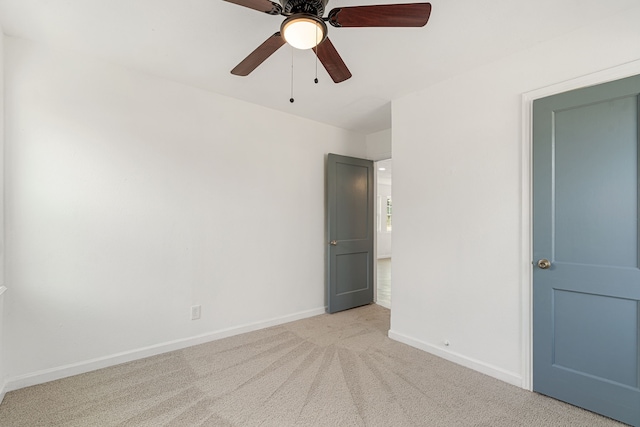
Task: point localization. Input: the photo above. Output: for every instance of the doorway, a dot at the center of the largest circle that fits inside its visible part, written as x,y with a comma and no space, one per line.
384,227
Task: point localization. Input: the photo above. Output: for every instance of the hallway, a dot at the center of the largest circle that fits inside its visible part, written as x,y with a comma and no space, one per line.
384,282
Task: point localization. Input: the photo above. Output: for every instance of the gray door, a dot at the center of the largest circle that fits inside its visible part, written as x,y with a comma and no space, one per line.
350,232
586,299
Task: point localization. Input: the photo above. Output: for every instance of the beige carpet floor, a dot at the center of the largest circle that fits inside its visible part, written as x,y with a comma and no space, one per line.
329,370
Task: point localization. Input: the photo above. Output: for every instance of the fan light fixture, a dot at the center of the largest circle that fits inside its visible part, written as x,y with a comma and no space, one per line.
303,31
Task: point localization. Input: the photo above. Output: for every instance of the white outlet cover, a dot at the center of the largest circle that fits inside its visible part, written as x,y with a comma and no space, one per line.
195,312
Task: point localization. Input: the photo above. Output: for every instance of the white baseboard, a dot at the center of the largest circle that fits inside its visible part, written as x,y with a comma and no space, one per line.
485,368
3,384
3,391
60,372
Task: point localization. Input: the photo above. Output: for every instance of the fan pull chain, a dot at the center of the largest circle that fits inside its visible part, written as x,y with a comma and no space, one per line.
316,50
291,99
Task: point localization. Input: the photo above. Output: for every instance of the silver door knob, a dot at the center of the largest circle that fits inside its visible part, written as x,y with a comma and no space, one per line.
334,243
544,263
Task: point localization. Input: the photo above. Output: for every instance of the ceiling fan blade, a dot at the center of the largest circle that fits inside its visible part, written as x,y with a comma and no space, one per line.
333,63
385,15
265,6
259,55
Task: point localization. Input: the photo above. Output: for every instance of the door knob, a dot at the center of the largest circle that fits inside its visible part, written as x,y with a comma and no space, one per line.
544,263
334,243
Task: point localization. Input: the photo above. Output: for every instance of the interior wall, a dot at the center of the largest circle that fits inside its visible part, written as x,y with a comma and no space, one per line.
383,243
458,199
131,198
1,158
379,145
2,287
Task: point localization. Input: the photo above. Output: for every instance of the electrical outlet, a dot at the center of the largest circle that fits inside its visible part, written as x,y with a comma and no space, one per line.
195,312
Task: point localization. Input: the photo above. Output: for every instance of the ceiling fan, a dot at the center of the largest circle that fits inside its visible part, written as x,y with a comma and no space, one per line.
305,28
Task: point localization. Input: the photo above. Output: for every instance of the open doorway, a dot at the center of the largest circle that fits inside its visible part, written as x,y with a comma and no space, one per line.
384,227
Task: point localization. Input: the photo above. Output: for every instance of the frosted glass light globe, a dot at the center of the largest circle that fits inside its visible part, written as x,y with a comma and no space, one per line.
303,32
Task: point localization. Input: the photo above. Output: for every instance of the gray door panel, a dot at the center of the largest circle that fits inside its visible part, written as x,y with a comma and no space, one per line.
350,228
586,306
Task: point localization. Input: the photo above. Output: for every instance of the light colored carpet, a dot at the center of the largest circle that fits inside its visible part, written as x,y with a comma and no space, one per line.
329,370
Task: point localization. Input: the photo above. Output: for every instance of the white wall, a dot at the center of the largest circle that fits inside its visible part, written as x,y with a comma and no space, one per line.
379,145
383,242
458,234
1,159
2,287
131,198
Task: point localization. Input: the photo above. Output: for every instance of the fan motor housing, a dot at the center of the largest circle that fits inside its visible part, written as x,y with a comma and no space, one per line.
312,7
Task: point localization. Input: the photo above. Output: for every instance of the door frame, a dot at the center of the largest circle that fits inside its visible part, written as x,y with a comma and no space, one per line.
526,278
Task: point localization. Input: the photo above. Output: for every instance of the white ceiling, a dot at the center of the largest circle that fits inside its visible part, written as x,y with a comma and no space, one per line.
197,42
